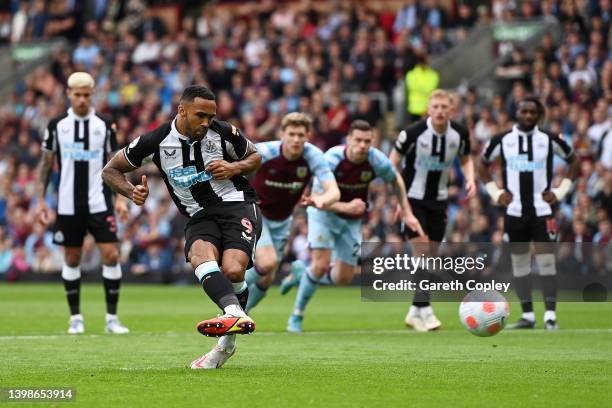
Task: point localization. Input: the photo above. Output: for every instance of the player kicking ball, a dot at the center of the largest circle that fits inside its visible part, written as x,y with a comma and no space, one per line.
430,147
287,167
337,231
203,162
526,155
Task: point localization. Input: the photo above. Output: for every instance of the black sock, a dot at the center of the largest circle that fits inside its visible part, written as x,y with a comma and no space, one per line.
243,297
549,290
73,294
421,297
111,292
219,289
523,290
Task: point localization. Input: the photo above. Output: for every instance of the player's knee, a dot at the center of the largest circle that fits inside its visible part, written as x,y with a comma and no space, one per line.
267,266
72,259
110,256
319,269
546,264
233,271
521,264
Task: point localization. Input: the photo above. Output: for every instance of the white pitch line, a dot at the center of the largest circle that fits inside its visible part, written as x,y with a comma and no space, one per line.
307,333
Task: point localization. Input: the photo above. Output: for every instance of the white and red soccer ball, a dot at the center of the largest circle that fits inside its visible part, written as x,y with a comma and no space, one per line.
484,314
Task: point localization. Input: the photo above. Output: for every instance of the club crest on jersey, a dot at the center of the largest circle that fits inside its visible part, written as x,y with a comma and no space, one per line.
170,153
210,146
302,171
366,175
59,236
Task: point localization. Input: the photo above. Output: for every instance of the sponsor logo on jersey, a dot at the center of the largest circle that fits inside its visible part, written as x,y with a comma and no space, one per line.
520,162
294,185
76,151
366,175
433,163
187,177
302,171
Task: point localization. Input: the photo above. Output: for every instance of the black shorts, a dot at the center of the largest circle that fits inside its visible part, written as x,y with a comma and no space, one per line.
432,217
528,229
228,225
70,230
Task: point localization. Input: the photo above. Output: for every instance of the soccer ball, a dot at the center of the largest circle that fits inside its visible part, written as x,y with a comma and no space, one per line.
484,314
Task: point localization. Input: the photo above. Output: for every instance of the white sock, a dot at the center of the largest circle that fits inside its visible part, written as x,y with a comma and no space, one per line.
413,311
227,342
76,317
234,310
550,315
110,317
426,311
528,316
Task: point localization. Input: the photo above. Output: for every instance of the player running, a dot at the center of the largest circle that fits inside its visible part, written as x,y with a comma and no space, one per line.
286,170
338,229
82,140
202,162
527,154
430,146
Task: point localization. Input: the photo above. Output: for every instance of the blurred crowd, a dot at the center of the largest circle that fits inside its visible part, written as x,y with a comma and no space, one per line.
323,58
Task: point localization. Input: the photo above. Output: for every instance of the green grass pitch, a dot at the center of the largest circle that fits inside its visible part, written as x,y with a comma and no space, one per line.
352,354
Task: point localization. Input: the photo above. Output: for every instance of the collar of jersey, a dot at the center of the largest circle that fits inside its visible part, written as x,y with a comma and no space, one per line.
91,112
433,130
520,132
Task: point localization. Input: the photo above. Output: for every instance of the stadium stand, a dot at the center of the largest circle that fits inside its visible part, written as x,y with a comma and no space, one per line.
323,58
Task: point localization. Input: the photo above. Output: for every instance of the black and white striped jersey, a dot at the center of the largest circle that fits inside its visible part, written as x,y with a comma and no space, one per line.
429,157
527,167
82,145
181,163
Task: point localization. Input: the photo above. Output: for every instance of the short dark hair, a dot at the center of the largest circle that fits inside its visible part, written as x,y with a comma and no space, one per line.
538,103
197,91
360,124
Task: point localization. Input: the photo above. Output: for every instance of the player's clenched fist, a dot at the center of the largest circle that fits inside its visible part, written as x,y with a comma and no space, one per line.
140,192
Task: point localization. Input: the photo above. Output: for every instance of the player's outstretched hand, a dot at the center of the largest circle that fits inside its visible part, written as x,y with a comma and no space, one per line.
140,192
505,199
42,213
221,170
550,197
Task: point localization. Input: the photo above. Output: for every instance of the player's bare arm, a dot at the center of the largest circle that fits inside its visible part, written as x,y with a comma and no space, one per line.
556,194
467,167
330,195
223,170
352,208
498,195
113,175
44,174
